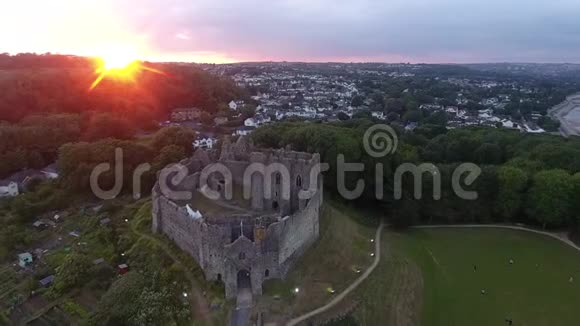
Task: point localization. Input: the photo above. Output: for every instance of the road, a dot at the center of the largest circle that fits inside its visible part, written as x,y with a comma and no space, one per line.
241,314
568,114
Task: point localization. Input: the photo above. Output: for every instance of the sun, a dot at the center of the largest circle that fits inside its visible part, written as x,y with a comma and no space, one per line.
117,57
119,63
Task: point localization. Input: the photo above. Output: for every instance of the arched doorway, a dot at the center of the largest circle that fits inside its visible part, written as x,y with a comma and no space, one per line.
244,297
244,280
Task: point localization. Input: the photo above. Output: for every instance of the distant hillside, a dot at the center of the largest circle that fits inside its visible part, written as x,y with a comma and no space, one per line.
33,84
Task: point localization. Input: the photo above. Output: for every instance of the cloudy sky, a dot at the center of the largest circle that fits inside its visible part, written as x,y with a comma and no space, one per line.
298,30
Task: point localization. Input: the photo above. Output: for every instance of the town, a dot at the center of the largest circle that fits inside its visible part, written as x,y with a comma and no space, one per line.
405,95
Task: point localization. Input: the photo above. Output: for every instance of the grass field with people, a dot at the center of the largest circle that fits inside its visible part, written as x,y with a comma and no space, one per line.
489,276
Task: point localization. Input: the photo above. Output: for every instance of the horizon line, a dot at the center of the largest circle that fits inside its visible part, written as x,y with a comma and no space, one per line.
311,62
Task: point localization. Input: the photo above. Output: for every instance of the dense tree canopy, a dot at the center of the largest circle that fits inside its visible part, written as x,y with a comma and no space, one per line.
60,84
518,182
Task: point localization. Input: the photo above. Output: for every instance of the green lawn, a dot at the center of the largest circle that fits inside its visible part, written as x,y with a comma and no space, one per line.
535,290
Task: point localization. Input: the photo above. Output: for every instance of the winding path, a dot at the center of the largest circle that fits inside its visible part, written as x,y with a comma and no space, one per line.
560,237
350,288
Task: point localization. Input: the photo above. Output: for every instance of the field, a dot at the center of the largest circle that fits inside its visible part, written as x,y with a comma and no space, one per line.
453,266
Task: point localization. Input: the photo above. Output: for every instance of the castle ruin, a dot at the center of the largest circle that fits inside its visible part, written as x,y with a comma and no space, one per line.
243,241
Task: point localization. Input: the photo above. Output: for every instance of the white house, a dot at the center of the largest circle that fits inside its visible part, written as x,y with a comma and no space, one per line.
508,124
250,122
379,115
243,131
9,190
236,105
205,143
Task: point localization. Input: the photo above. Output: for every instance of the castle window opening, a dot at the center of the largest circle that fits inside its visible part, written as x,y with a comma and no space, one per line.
299,181
242,255
275,205
267,273
219,277
278,178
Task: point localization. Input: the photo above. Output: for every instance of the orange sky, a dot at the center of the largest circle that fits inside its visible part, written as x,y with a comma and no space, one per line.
82,27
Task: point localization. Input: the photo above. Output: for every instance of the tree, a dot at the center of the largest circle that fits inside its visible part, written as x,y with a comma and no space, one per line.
120,303
248,111
342,116
168,155
157,308
357,101
405,214
549,197
105,125
413,116
134,300
512,184
394,105
437,118
72,272
488,153
178,136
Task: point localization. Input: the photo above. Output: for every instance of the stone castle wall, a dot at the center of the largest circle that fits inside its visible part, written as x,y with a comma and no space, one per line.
270,240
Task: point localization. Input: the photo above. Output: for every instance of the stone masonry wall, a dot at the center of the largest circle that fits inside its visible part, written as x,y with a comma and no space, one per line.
269,255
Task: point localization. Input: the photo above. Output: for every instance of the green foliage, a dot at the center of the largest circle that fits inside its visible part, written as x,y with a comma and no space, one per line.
104,125
169,154
512,186
177,136
77,160
508,161
488,154
74,308
548,123
134,300
73,272
157,308
550,197
35,140
119,303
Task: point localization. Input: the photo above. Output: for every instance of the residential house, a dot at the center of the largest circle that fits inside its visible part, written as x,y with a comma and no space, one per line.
19,181
205,143
243,131
186,114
